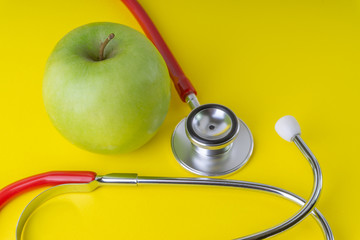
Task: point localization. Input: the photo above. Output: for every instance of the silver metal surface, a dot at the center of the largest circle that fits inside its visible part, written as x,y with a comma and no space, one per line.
71,188
193,159
192,100
212,123
308,207
117,178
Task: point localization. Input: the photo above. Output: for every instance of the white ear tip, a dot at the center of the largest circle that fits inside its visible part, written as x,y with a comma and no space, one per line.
287,127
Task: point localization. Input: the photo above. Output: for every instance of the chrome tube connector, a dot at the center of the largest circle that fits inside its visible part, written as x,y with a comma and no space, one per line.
192,100
118,178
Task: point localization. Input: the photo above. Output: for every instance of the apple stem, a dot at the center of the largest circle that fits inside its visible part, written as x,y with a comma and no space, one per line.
103,45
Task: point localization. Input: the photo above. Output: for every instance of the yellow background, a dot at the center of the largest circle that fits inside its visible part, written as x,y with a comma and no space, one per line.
263,59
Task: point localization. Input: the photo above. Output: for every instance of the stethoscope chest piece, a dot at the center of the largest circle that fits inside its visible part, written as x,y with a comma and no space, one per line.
212,141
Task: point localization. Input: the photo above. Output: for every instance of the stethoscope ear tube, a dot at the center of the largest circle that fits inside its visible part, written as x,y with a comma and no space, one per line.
43,180
181,82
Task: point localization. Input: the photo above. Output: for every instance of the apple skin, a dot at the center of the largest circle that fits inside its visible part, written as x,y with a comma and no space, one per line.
110,106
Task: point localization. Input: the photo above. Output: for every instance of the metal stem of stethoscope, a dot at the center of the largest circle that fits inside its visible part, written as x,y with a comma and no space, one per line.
70,188
192,101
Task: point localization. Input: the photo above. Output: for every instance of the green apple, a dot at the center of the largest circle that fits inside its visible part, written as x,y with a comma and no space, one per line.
106,94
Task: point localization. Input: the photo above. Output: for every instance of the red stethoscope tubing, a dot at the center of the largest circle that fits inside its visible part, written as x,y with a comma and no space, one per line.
43,180
181,82
182,85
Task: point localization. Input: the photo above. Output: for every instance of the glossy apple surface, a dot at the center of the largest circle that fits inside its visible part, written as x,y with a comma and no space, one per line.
113,105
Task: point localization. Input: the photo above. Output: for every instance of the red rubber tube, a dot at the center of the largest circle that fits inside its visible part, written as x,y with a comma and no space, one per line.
181,82
43,180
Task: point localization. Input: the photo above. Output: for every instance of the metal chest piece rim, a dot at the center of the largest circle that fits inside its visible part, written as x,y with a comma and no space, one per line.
212,141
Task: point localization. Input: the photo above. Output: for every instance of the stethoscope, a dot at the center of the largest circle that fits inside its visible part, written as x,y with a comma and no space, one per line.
211,141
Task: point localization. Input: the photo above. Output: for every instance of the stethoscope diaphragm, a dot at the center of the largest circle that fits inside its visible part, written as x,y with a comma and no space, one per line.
212,141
